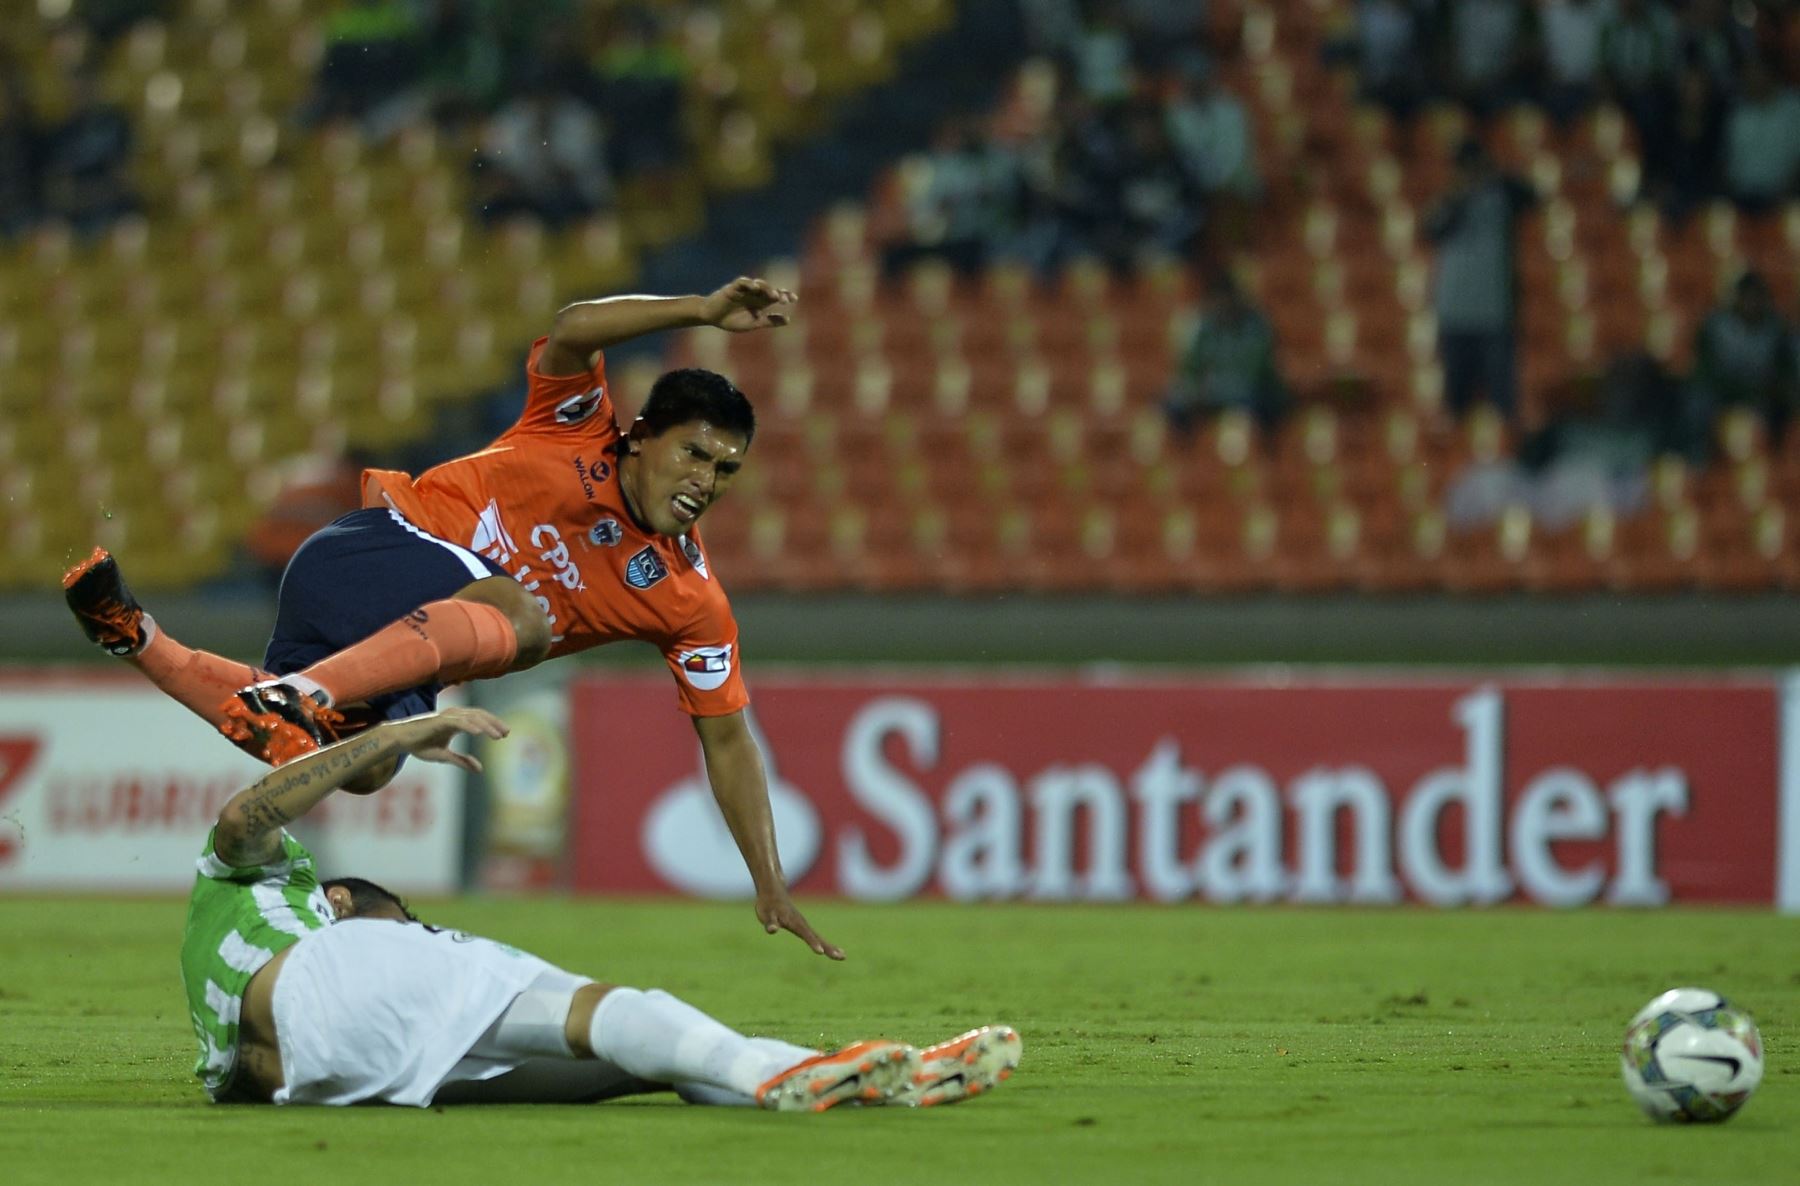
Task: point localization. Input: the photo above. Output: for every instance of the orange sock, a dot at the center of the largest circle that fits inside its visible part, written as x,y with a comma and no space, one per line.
444,642
201,680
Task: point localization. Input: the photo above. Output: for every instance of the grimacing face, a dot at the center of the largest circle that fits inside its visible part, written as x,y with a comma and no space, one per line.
670,479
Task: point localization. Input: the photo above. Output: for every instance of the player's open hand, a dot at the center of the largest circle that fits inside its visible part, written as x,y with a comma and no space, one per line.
435,732
748,303
777,912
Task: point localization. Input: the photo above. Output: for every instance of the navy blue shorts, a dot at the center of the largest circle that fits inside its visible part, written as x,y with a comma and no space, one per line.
365,571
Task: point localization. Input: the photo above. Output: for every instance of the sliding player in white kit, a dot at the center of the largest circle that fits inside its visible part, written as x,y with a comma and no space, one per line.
304,992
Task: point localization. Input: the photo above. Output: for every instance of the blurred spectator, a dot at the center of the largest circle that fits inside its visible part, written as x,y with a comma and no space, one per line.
1209,129
1474,228
542,154
1571,40
1053,199
19,148
1713,42
1229,364
465,56
1163,30
635,78
1638,54
1744,357
1696,141
1762,140
1389,50
1488,42
1777,37
107,19
313,489
84,161
374,56
1210,133
1159,200
965,208
1103,67
1594,453
1052,27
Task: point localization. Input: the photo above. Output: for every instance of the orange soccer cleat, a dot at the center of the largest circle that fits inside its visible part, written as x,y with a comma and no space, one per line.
964,1066
278,723
109,615
868,1072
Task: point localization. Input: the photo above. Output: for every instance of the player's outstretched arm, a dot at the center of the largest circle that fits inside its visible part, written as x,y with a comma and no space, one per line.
250,823
734,768
586,326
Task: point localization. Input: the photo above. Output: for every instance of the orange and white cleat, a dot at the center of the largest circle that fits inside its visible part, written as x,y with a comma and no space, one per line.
962,1067
109,615
277,722
868,1072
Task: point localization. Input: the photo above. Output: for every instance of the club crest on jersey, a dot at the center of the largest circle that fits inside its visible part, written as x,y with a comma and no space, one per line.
706,668
645,569
695,556
577,408
605,533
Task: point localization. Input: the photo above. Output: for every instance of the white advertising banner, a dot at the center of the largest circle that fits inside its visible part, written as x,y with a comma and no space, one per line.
107,784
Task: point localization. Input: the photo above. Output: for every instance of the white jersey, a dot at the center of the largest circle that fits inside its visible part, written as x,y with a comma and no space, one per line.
372,1010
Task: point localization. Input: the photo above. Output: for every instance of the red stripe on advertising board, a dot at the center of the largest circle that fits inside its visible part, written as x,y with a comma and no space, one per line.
1449,792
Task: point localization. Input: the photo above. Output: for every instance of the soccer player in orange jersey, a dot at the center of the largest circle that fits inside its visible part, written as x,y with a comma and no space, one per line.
562,534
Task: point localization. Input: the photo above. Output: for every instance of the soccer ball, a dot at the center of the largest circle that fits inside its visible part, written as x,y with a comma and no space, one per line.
1689,1055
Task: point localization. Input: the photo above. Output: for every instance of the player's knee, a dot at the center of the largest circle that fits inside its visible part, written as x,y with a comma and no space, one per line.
578,1029
531,626
532,629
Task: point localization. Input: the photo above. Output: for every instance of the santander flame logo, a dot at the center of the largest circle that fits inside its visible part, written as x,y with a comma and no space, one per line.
686,842
16,757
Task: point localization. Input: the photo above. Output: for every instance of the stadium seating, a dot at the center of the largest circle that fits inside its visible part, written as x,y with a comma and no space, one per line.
290,288
1057,385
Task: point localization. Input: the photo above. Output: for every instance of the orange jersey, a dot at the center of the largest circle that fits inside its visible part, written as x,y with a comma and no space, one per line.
543,502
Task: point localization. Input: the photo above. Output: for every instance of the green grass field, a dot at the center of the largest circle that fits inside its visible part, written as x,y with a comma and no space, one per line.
1161,1045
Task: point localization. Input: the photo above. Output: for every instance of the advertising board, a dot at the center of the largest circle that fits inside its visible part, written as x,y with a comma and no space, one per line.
1558,792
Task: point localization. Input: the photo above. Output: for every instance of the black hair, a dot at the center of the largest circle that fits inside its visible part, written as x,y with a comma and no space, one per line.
692,393
366,896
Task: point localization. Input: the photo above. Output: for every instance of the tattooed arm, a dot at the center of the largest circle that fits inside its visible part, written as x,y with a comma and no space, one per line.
249,828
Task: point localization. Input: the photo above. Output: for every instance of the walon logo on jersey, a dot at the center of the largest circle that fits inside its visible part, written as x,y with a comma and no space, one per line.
577,408
645,569
601,471
707,668
605,533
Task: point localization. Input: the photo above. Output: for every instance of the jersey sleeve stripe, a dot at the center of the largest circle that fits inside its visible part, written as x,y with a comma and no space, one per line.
224,1006
241,955
277,911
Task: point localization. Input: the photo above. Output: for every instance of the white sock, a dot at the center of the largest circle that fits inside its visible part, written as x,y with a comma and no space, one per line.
657,1037
306,687
784,1054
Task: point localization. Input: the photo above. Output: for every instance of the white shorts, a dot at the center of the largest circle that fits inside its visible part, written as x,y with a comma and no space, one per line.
372,1010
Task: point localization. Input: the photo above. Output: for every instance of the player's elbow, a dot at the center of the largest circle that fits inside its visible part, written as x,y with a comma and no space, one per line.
231,831
533,632
573,331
